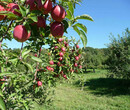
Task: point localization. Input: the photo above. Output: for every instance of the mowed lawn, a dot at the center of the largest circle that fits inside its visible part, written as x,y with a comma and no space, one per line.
91,91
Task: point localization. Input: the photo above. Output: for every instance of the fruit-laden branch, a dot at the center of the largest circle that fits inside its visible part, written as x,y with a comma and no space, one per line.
35,75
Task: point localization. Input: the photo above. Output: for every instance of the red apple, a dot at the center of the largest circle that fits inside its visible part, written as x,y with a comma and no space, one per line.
80,66
47,6
20,33
61,58
41,22
58,63
65,42
30,2
51,62
39,4
12,7
77,58
48,68
39,83
60,40
79,55
33,6
2,9
77,46
57,29
66,45
35,55
65,76
63,49
56,47
61,54
75,64
58,13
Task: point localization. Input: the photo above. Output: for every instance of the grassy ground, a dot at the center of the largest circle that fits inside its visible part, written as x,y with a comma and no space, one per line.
92,91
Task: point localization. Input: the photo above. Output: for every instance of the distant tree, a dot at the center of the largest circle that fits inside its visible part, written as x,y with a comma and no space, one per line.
95,58
119,58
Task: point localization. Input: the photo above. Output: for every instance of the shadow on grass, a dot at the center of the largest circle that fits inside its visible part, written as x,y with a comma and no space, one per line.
107,86
88,71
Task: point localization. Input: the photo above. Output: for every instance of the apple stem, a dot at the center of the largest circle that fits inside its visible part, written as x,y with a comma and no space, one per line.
21,52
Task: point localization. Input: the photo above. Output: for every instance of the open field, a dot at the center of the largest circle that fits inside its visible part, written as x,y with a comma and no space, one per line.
98,93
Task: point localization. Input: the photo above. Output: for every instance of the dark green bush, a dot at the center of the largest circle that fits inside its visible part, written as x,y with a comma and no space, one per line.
119,58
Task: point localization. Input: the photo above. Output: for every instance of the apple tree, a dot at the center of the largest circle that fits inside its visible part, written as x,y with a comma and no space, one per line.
26,78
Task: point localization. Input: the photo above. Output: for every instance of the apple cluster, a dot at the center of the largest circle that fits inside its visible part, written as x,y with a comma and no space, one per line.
76,59
64,59
57,12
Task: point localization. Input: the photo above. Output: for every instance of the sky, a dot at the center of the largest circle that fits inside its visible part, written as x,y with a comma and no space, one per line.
110,16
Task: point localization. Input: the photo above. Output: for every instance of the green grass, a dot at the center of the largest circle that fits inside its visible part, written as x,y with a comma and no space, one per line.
98,93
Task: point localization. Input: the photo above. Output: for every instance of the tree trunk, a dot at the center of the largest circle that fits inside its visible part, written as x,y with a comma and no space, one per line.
94,70
85,69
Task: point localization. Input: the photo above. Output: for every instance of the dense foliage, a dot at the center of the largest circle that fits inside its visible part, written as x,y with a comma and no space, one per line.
95,58
119,58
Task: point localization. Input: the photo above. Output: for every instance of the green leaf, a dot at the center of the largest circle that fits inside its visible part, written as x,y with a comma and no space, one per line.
83,38
3,12
77,3
69,14
13,60
83,27
82,35
71,8
28,66
3,53
76,29
6,73
2,104
34,18
22,10
1,94
6,1
66,25
36,59
11,15
25,52
86,17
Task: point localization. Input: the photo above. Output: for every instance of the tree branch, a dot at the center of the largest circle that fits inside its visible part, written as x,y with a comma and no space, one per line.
35,75
20,57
